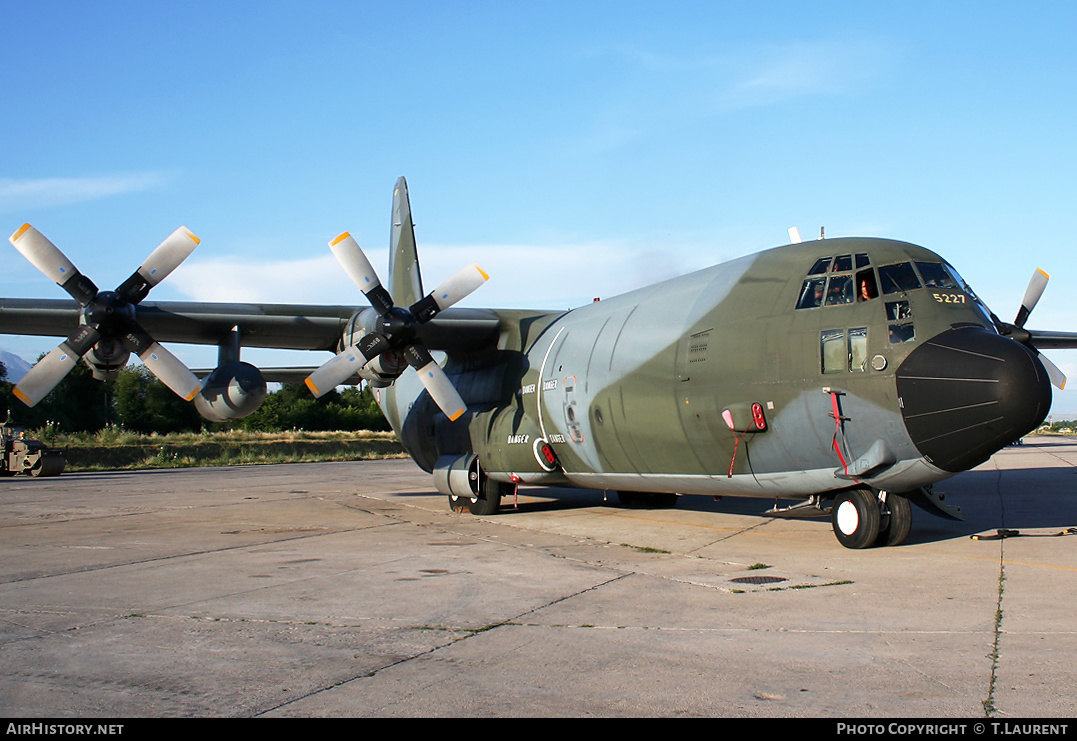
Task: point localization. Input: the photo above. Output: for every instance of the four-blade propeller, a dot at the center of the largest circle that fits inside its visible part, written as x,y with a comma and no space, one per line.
397,328
105,314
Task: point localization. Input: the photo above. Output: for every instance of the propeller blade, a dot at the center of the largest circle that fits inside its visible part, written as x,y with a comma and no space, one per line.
1032,297
47,257
162,261
345,364
169,369
435,381
358,267
51,369
1058,378
441,390
450,292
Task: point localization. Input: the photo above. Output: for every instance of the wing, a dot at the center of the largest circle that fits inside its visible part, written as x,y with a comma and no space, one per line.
279,326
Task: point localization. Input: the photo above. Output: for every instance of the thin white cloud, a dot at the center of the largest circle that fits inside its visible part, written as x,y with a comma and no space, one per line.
655,92
522,276
779,73
315,280
24,194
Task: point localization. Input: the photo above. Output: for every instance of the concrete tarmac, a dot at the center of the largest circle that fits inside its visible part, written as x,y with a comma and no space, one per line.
351,589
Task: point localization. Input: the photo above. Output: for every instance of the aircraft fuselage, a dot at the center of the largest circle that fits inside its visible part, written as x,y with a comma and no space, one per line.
733,381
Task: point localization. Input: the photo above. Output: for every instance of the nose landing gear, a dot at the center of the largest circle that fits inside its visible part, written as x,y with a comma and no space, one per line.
863,518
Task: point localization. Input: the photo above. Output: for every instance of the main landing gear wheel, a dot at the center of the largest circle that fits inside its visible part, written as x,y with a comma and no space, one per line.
647,500
856,518
486,502
896,520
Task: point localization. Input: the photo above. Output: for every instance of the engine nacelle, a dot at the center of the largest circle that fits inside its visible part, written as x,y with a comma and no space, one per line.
106,358
231,391
384,369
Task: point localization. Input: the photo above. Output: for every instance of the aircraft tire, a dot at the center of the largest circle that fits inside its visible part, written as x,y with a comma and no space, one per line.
489,501
856,518
647,500
898,521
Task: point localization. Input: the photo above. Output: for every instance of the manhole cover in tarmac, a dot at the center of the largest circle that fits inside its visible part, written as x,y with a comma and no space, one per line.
757,579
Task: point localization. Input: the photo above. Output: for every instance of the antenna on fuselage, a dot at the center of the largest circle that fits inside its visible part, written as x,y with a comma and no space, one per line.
794,235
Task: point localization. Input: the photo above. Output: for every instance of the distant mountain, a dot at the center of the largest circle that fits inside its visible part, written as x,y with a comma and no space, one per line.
16,366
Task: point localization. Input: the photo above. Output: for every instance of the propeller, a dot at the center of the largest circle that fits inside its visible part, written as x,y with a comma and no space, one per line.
1018,332
105,314
397,328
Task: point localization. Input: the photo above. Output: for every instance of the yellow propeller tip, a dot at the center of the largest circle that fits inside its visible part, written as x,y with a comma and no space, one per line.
15,237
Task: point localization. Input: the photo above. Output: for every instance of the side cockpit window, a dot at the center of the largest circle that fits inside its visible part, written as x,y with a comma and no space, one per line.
866,288
899,317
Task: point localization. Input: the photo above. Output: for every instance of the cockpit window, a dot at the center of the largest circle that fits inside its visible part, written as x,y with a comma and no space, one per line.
866,288
897,310
839,290
811,293
841,287
935,275
898,278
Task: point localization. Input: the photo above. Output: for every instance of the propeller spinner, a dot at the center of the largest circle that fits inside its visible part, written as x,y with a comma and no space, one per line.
397,328
105,314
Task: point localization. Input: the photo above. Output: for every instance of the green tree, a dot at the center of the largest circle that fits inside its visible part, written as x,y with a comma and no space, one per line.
293,408
144,404
77,404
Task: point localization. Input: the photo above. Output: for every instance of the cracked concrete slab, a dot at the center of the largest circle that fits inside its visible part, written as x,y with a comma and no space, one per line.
351,589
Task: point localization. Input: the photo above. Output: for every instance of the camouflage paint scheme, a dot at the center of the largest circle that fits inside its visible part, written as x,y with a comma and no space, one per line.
629,391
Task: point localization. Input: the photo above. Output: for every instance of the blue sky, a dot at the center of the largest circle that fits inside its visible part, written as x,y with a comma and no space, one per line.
575,149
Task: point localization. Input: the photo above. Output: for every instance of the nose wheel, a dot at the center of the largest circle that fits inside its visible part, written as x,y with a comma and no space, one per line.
863,518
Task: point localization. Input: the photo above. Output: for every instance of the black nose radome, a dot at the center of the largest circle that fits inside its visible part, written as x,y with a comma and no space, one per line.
968,392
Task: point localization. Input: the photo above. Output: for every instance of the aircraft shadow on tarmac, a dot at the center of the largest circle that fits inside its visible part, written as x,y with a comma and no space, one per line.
990,500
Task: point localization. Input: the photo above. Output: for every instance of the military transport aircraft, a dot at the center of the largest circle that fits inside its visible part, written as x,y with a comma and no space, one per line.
835,376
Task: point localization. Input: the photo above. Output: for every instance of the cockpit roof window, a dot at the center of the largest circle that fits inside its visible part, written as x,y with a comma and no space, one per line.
843,263
820,266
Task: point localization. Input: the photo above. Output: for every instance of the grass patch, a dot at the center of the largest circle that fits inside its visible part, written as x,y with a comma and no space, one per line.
113,449
643,548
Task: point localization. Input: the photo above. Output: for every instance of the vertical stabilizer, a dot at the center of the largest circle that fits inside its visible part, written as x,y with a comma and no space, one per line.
405,283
